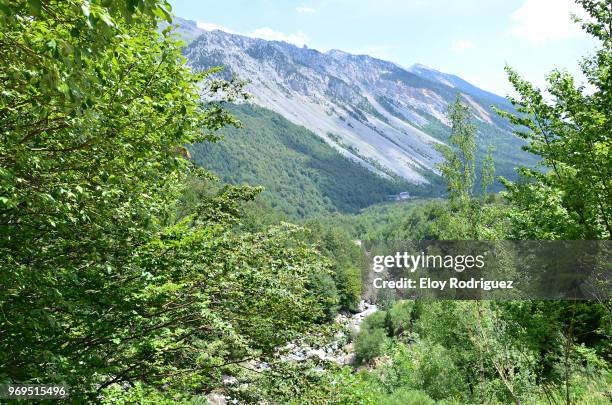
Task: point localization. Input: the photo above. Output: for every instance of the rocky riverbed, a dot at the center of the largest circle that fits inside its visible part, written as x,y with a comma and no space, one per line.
339,350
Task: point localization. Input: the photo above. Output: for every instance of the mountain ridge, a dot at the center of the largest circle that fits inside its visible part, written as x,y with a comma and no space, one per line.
372,111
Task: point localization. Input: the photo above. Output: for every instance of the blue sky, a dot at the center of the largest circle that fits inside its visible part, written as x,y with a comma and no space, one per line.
473,39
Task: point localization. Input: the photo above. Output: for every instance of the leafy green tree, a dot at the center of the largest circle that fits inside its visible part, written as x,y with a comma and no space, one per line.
92,113
107,278
464,217
570,129
347,261
458,168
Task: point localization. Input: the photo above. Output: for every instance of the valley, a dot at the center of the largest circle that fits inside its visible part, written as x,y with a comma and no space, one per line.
195,216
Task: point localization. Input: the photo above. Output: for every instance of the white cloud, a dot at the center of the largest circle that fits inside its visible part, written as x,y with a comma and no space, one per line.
540,21
212,26
299,38
305,10
462,46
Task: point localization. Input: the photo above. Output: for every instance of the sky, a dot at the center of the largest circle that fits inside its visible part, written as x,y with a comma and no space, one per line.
473,39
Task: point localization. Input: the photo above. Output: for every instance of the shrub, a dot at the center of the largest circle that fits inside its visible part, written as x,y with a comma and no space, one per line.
370,341
399,318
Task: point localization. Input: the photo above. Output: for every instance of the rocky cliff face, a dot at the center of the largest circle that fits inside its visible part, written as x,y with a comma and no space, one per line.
378,113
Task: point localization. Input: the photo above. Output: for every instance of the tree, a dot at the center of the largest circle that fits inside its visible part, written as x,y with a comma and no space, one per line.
104,279
568,198
347,261
465,217
458,167
571,130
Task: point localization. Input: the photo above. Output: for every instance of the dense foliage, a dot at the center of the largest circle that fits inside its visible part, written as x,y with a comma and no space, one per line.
107,278
484,352
341,285
572,133
511,352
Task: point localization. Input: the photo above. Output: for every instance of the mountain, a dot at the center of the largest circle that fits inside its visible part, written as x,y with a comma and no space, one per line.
377,113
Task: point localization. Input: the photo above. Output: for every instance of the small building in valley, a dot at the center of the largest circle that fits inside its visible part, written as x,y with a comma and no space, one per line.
404,195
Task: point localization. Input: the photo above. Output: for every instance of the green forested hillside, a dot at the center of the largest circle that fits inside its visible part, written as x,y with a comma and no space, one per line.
301,174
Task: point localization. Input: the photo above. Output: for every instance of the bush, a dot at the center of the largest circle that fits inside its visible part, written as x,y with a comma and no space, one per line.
372,338
437,373
369,345
374,321
399,318
426,367
323,285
